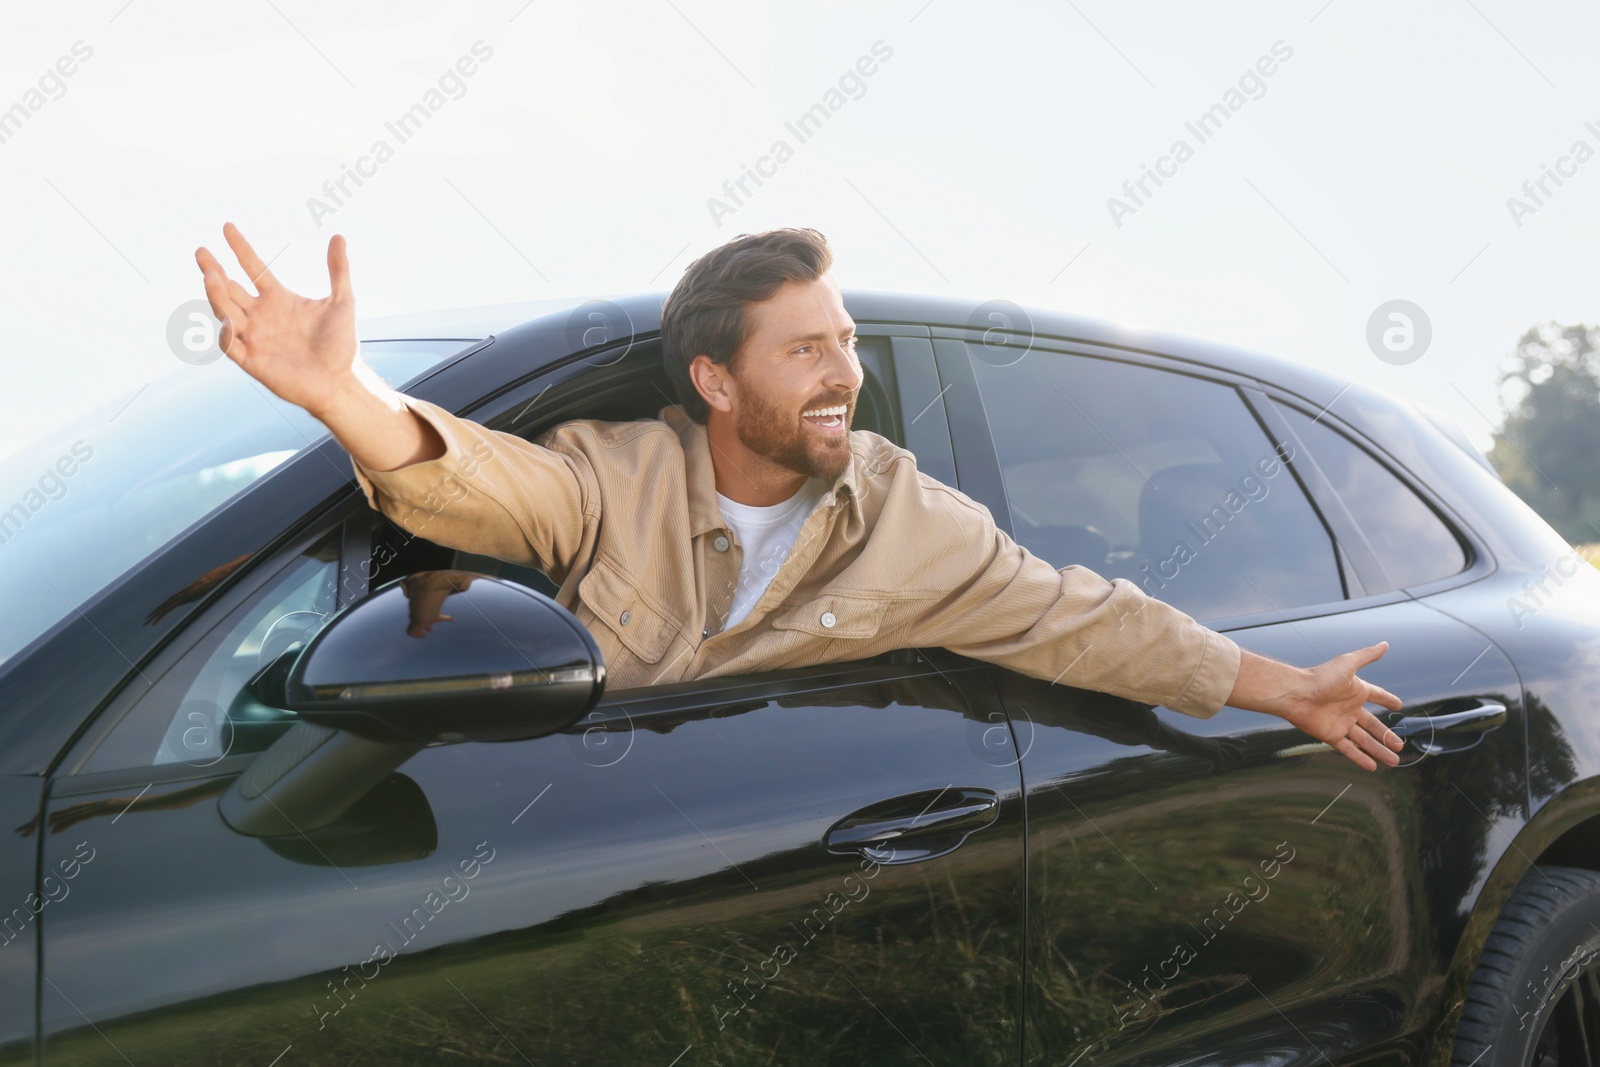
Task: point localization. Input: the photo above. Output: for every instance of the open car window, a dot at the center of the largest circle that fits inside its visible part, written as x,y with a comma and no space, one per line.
634,388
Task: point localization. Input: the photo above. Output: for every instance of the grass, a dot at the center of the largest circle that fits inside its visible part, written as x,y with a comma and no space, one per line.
919,966
927,966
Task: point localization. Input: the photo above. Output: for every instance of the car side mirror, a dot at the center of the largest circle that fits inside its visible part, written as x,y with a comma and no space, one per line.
396,671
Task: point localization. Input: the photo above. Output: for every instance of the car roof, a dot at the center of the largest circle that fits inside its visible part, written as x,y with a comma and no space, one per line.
643,312
461,323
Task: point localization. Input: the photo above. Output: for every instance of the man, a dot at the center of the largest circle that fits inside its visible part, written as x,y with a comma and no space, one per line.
750,528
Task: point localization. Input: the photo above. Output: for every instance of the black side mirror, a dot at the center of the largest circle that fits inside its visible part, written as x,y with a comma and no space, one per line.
504,663
394,672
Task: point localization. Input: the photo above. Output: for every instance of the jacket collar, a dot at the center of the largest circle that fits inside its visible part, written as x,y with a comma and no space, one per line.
704,514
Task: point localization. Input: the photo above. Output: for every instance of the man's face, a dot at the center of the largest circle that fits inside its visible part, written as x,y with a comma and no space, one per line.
798,356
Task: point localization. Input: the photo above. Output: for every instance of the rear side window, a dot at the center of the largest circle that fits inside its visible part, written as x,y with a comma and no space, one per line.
1412,544
1161,478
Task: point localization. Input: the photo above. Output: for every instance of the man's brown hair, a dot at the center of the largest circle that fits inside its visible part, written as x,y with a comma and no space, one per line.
704,314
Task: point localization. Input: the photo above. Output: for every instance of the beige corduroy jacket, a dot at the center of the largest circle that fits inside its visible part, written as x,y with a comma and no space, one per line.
623,517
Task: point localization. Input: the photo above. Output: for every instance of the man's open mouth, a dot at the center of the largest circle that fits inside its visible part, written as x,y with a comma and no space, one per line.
828,418
831,418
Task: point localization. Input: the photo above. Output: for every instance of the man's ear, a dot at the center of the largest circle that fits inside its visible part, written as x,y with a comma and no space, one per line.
713,381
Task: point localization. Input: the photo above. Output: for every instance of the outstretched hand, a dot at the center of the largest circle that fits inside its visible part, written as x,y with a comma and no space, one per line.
1327,702
301,348
1332,709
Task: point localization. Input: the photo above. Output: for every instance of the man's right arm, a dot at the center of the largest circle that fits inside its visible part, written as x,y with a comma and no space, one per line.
487,491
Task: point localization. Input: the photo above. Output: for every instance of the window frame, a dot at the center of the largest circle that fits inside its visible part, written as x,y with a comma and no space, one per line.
517,409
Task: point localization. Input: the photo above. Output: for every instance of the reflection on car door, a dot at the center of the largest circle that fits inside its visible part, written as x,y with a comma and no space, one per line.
1223,886
821,866
1217,890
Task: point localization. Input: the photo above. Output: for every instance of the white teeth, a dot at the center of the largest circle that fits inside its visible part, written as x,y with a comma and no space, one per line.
823,412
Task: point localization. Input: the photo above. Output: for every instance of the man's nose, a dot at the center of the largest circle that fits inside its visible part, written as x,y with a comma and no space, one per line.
844,370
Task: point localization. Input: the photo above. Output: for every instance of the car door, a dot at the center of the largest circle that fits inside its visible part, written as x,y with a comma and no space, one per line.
816,865
1217,890
27,895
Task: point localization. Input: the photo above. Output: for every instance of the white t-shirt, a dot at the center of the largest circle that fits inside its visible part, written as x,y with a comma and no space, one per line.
766,535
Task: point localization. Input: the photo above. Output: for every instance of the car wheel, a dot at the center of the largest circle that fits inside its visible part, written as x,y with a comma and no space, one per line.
1534,1000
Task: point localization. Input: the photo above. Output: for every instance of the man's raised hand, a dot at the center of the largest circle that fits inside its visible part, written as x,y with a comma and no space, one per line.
305,351
301,348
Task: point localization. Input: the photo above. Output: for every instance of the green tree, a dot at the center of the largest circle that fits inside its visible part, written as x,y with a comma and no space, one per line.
1548,447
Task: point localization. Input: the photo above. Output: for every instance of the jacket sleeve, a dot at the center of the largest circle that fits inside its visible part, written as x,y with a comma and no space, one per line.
490,493
1007,606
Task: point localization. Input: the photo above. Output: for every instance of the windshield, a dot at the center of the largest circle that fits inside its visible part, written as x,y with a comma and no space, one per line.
90,500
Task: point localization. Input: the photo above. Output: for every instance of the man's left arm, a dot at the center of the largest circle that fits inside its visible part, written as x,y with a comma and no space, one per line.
1003,604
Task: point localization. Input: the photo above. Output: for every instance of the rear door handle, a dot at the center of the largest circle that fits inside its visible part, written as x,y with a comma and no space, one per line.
916,826
1453,731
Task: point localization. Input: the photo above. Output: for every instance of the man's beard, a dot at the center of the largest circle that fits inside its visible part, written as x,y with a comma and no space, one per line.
775,433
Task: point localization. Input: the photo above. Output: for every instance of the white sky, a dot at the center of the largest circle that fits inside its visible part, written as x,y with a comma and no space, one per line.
1376,165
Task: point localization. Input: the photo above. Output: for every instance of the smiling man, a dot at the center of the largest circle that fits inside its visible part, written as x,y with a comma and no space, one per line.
748,527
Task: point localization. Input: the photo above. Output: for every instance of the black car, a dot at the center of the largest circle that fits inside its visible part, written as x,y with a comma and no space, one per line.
249,819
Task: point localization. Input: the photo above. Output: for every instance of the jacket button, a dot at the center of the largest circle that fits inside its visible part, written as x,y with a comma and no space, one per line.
720,544
624,617
706,632
828,619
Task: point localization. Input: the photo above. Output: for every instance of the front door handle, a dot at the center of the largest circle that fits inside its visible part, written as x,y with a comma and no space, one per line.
1453,731
916,826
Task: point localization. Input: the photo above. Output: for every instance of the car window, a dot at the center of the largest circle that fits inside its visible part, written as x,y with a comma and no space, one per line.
81,506
1161,478
199,710
1411,543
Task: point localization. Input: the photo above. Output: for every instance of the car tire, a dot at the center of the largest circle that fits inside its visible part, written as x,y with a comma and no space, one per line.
1534,1000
